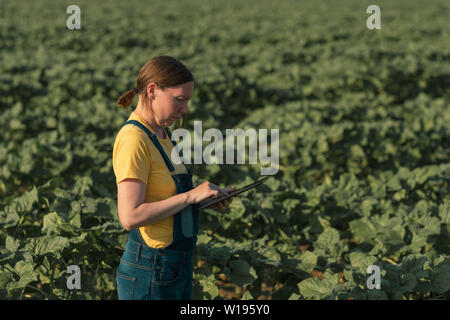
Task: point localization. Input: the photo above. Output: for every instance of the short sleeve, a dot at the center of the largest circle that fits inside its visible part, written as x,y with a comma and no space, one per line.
131,156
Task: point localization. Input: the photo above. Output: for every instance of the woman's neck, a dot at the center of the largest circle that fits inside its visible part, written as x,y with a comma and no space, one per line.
150,120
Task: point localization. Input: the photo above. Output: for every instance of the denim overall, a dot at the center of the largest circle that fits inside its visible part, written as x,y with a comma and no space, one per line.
147,273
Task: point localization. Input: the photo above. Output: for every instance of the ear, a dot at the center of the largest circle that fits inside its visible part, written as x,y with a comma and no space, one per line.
151,90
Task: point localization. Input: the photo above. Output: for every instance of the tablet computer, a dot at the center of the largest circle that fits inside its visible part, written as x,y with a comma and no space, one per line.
208,203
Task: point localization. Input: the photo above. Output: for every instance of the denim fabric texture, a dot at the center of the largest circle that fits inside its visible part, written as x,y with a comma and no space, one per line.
157,274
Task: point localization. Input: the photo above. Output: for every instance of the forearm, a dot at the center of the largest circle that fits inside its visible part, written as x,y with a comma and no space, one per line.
153,212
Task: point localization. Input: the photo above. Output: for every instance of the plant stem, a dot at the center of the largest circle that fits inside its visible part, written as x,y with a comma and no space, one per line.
21,294
390,261
41,291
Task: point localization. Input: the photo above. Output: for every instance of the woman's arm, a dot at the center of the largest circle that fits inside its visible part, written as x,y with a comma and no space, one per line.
134,212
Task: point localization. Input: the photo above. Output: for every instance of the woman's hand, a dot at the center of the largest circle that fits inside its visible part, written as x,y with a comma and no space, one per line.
207,191
222,205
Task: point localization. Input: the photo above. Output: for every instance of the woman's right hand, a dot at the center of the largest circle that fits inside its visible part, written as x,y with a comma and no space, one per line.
207,190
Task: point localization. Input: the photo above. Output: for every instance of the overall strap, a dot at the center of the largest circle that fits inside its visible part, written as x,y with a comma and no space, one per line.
175,145
155,141
170,137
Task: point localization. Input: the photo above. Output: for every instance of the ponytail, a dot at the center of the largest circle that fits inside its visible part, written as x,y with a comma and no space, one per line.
126,99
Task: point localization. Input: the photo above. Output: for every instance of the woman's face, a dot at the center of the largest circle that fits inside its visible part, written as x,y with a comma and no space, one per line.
170,103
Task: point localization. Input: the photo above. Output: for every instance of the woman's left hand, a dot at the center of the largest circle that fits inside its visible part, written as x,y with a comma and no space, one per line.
223,205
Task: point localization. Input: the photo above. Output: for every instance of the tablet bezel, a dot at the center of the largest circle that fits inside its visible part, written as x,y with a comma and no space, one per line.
234,193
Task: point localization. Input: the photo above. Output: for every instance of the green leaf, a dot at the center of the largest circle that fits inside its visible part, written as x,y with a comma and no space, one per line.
53,224
377,295
44,269
12,244
6,257
367,206
417,242
90,206
421,208
220,255
209,286
444,212
8,219
361,261
105,281
328,238
362,229
46,244
378,189
83,186
431,226
294,296
308,261
393,184
241,273
266,255
357,152
342,197
313,288
247,296
78,239
348,275
322,145
24,203
5,278
391,230
413,263
403,173
52,184
203,239
26,273
408,282
440,277
237,209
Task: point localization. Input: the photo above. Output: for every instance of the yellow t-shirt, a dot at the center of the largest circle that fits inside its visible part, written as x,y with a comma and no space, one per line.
135,156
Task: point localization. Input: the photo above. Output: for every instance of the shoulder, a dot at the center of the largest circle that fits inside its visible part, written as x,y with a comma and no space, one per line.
131,137
132,133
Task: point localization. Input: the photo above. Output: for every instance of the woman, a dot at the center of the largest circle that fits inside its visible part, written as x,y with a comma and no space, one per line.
157,202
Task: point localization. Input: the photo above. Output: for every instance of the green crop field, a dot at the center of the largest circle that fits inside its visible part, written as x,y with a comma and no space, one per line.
364,144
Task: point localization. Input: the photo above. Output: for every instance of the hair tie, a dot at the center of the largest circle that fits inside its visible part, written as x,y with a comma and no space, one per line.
135,90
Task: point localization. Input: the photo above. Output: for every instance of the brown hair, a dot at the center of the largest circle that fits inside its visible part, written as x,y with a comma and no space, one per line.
165,71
